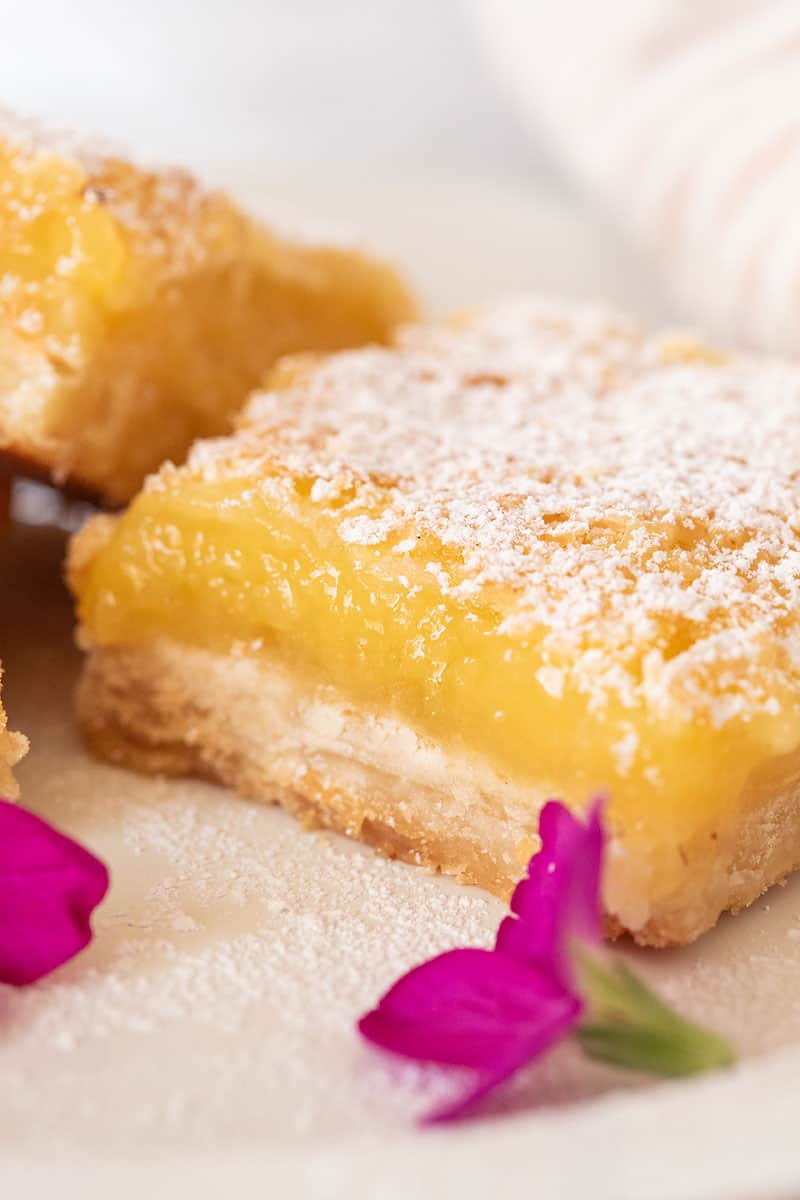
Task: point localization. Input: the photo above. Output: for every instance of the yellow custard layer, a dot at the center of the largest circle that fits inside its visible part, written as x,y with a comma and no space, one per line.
138,310
62,254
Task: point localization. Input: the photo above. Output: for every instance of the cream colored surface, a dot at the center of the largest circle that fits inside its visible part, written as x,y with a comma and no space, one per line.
204,1044
216,1006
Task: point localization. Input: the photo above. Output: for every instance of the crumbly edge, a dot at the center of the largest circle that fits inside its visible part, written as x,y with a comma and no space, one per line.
13,747
272,736
27,381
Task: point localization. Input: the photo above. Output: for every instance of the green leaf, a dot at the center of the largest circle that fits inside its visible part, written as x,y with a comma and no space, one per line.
628,1026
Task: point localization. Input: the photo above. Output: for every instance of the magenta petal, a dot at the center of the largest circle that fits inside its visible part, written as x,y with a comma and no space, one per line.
470,1008
559,899
555,1022
486,1082
49,886
465,1105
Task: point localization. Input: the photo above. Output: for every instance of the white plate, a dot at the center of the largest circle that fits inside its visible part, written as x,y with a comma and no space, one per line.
204,1045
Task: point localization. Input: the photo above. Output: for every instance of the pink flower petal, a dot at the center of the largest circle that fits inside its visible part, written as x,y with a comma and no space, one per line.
465,1105
472,1008
550,1032
49,886
496,1010
559,900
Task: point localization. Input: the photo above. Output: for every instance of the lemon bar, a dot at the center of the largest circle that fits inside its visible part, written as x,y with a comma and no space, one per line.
12,748
12,745
138,310
531,553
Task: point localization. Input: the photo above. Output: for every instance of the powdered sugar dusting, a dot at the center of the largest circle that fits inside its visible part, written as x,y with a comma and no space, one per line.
32,136
633,499
157,200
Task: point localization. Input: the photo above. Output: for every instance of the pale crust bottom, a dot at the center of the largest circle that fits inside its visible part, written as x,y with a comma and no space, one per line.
272,736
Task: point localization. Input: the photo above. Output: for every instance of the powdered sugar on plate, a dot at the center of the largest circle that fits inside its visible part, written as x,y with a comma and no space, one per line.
217,1003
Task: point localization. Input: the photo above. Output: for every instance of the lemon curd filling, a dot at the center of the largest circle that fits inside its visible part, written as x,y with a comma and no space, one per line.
227,571
519,566
137,310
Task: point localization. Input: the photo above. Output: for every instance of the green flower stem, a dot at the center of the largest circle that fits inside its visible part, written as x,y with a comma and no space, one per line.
627,1025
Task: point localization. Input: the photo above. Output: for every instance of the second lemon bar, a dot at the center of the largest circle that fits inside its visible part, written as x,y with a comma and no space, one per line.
137,310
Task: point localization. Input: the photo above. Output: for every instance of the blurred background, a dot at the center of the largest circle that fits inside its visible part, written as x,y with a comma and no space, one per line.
669,130
384,118
379,82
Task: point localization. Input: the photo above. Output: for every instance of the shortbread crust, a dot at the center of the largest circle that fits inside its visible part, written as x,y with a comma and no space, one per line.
270,734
